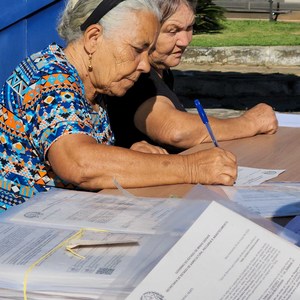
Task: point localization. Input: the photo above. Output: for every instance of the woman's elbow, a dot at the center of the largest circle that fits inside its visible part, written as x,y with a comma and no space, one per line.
76,173
175,137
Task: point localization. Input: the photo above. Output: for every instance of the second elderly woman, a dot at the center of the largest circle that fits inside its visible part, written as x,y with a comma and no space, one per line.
54,131
138,115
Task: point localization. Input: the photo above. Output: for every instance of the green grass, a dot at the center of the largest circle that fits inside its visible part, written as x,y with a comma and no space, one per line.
251,33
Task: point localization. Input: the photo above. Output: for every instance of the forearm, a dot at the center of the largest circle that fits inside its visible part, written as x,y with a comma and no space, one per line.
194,132
232,128
93,166
260,119
133,169
78,159
185,130
163,123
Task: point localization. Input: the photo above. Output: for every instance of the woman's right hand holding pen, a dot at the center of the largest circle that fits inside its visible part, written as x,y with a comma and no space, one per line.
212,166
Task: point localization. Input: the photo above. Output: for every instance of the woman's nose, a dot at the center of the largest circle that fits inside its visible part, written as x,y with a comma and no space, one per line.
184,38
144,65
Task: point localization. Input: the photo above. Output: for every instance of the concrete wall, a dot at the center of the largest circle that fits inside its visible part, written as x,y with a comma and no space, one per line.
280,55
258,4
292,1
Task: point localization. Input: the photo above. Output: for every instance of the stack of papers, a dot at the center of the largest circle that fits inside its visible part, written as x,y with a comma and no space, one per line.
80,245
36,259
136,233
227,258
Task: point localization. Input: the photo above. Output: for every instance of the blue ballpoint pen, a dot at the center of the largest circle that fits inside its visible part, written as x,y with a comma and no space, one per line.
204,119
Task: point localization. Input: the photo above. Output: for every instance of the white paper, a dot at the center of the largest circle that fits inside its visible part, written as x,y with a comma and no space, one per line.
22,246
76,209
268,200
253,176
225,256
216,193
28,244
288,120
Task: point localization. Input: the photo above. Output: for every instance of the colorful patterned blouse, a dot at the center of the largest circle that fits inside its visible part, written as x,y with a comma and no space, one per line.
42,100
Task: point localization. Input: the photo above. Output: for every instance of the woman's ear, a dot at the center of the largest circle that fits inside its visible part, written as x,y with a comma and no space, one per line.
91,37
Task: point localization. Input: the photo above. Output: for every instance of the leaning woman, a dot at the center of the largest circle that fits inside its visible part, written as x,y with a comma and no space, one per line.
140,111
54,129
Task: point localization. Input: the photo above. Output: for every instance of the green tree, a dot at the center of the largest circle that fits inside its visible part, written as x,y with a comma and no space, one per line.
208,17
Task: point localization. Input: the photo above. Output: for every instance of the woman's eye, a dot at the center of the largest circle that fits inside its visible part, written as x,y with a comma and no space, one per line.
139,50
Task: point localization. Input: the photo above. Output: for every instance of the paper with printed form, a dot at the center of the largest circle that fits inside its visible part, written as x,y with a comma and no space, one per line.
88,271
73,209
269,200
225,256
253,176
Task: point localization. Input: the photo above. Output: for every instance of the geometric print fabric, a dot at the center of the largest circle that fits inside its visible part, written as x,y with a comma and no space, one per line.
42,100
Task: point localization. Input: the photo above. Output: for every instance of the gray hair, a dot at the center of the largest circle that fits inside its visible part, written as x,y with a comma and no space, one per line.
169,7
77,11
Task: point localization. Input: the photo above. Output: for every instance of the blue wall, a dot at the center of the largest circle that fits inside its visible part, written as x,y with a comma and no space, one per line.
26,26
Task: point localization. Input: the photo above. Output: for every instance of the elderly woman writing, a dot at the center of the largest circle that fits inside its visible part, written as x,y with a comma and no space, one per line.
151,110
54,130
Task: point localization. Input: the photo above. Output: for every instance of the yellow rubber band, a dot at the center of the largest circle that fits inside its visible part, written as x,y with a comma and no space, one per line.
77,235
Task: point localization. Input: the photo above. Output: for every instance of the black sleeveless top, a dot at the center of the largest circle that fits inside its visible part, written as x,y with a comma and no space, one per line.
121,110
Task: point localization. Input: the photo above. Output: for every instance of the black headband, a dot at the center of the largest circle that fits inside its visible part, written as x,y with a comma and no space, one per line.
102,9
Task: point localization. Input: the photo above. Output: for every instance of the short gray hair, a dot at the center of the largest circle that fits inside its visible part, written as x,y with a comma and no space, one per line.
77,11
169,7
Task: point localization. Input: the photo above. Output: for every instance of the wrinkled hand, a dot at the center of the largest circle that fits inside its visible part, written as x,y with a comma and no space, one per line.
212,166
145,147
263,118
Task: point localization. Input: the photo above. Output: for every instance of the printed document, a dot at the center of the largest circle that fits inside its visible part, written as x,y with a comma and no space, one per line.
253,176
224,256
88,270
76,209
268,200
